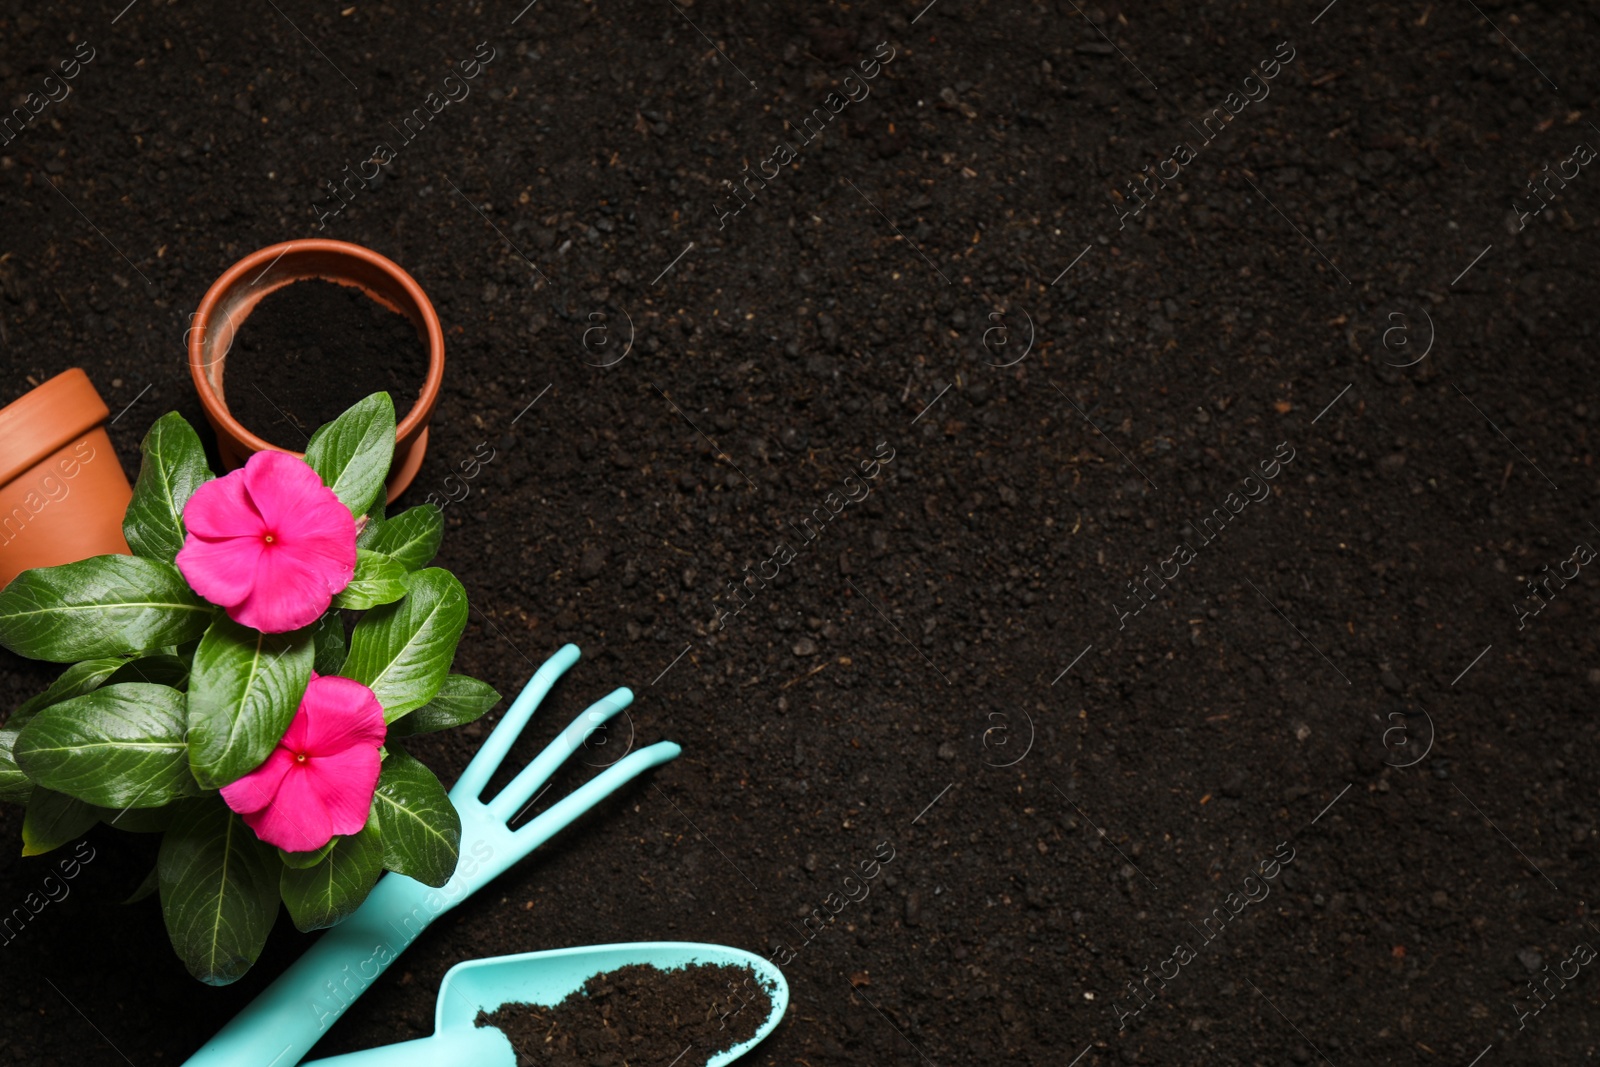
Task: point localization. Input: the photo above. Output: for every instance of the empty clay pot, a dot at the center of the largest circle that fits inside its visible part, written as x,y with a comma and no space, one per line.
233,296
62,491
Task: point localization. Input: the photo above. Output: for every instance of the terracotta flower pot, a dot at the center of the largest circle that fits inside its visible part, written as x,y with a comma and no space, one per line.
62,491
233,296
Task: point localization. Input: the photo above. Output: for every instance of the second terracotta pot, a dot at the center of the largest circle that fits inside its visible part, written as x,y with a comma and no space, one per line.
233,296
62,491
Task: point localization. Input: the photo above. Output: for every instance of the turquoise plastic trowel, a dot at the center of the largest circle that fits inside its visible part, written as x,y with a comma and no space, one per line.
546,978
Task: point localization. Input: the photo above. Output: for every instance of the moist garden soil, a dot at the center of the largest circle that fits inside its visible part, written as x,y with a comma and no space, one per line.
638,1014
312,349
953,666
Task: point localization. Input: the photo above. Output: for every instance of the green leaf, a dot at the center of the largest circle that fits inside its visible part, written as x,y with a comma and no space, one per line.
303,860
101,606
460,700
243,695
174,467
15,787
322,896
163,668
328,639
412,537
421,828
402,652
76,680
119,747
378,580
151,883
219,892
80,678
352,453
53,819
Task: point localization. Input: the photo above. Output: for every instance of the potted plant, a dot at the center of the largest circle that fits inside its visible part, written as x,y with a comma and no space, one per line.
62,491
213,696
239,292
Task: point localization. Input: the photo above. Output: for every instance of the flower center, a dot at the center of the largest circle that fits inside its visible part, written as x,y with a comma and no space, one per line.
270,538
299,757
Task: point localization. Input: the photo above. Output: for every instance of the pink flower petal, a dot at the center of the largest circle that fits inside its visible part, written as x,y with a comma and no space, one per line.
222,508
286,491
316,515
296,820
286,595
222,571
339,714
304,516
344,784
294,738
331,556
256,790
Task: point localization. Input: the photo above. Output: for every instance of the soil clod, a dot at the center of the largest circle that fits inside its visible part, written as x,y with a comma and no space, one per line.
638,1015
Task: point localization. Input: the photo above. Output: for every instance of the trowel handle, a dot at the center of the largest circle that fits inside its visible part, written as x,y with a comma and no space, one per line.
479,1047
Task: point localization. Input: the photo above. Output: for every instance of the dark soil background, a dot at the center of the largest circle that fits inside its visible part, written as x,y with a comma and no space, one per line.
1067,792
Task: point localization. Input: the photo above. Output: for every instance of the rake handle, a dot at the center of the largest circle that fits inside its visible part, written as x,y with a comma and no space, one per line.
279,1027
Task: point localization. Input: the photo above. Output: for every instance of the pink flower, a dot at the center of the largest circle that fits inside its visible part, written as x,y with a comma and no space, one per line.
269,542
320,779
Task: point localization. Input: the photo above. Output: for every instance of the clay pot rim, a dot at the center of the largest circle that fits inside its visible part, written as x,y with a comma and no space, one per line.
46,417
262,259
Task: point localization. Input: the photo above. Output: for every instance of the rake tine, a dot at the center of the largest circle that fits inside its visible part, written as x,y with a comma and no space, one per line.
569,808
499,742
537,773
